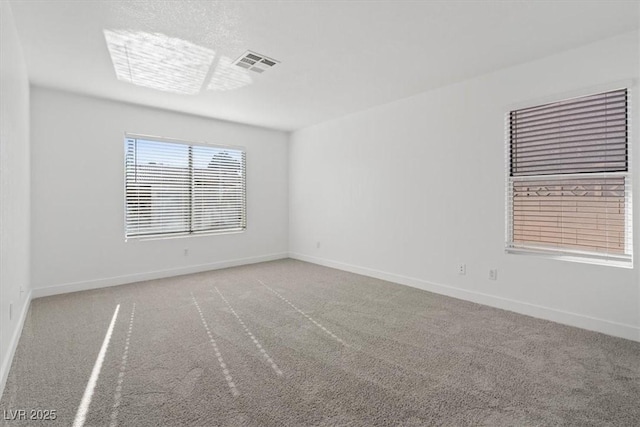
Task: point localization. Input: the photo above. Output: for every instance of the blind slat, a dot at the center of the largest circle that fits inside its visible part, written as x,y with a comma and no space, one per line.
598,99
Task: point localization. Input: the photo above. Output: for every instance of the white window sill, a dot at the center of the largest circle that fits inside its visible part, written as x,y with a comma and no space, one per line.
181,236
612,261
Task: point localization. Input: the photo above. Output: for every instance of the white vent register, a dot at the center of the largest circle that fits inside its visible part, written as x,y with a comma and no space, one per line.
255,62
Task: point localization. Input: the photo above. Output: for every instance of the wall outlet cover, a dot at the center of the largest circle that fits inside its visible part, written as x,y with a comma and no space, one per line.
462,269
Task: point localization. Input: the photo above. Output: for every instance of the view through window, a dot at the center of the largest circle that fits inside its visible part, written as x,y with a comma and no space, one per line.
175,188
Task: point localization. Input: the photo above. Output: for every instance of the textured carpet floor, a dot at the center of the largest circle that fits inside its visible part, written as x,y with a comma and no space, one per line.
287,343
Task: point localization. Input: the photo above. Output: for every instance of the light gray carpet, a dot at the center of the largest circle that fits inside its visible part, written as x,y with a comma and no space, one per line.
312,346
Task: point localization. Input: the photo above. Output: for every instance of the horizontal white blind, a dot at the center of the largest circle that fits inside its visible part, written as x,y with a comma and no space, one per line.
568,182
177,188
586,214
218,189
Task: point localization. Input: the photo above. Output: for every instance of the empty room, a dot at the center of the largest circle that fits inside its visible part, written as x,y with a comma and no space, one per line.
319,213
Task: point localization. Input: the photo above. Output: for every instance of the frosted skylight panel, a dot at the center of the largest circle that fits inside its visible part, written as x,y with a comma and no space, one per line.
227,77
157,61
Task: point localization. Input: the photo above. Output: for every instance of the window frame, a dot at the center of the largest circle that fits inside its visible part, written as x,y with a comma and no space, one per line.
190,233
568,254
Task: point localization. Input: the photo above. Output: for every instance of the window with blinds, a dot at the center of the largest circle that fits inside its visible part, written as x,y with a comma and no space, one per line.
568,178
176,188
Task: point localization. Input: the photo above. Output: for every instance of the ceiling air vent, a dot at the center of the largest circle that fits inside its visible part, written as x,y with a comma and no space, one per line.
255,62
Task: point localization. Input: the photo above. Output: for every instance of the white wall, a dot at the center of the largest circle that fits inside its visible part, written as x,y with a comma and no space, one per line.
14,189
78,195
406,190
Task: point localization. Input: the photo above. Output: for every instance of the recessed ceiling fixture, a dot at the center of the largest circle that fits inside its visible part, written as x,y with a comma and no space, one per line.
255,62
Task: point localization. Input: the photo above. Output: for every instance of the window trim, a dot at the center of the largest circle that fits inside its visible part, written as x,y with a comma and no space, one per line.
567,254
182,141
179,235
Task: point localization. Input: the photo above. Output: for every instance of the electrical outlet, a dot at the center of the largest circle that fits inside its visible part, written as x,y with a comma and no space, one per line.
462,269
186,252
493,274
318,244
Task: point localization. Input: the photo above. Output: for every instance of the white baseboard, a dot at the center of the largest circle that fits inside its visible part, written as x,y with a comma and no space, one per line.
13,344
158,274
604,326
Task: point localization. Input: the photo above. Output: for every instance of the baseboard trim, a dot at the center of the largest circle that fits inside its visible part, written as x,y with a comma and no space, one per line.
13,344
151,275
604,326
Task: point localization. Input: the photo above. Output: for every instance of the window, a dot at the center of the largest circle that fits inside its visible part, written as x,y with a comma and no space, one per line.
176,188
568,179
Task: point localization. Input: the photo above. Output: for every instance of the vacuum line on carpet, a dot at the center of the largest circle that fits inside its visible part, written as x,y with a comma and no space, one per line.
264,353
309,318
117,397
81,414
225,370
